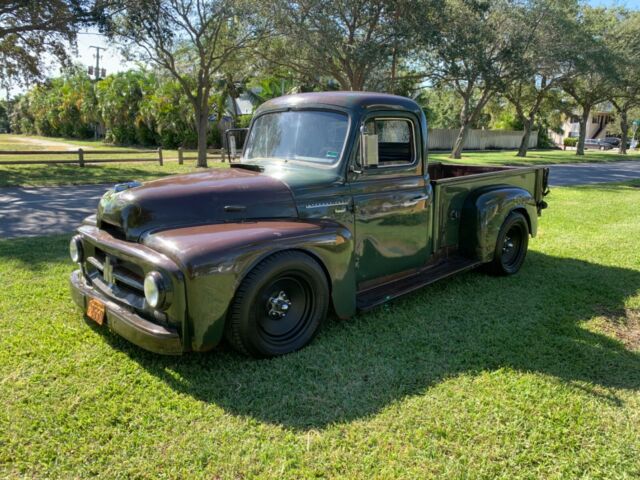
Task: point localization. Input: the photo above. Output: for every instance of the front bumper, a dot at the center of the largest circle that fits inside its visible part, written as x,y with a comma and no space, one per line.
125,323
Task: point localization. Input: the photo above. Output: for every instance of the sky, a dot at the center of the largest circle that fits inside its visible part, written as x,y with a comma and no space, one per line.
635,4
110,59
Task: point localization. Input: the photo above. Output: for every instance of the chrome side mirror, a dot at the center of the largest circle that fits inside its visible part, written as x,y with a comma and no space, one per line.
368,150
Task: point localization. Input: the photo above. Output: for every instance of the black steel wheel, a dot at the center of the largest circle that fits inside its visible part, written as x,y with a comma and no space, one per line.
511,245
279,306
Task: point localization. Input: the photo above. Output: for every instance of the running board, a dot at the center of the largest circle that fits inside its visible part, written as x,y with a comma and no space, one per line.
370,298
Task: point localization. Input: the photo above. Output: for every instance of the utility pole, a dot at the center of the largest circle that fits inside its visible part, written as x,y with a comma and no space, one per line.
97,60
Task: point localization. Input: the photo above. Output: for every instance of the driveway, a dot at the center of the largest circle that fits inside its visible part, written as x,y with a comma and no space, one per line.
31,211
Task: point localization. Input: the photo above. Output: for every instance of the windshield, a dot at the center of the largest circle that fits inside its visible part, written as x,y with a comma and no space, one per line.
307,135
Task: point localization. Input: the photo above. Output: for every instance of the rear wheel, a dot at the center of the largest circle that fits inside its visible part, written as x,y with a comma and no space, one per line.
511,245
279,306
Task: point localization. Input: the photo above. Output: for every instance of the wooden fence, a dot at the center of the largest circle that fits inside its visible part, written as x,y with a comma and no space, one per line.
443,139
439,139
84,156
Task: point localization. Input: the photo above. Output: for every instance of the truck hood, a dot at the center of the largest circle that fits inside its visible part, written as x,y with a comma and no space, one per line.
213,196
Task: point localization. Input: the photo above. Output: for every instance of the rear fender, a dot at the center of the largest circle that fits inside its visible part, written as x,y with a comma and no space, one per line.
484,212
216,258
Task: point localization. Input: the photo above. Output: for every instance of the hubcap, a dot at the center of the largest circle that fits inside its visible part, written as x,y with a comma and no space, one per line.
278,305
507,245
286,307
511,246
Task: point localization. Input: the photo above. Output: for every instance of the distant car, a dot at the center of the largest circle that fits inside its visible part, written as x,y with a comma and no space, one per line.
615,141
597,144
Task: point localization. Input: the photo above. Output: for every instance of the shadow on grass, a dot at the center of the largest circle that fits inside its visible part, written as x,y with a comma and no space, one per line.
531,323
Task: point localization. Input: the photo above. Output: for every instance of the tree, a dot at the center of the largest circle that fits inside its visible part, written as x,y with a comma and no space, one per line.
190,39
595,73
348,40
31,29
626,92
478,50
120,98
547,61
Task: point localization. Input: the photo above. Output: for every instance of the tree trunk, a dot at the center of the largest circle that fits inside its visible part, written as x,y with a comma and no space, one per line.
461,139
624,126
524,143
203,130
584,121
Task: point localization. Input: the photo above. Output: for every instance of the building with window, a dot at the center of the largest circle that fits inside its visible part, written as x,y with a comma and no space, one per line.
598,126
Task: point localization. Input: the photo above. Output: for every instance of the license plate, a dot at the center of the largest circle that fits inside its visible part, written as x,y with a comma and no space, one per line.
95,311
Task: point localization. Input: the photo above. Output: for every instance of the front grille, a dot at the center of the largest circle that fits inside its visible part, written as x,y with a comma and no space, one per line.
122,281
117,278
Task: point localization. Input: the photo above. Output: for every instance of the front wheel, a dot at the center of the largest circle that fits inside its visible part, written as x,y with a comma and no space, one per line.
511,246
279,306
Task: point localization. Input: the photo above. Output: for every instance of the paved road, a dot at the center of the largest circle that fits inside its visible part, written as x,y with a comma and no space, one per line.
588,173
34,211
28,212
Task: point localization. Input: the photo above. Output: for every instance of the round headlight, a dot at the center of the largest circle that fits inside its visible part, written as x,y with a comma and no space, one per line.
75,249
155,290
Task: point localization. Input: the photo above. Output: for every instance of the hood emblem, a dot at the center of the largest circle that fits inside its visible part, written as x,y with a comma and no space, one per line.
335,203
119,187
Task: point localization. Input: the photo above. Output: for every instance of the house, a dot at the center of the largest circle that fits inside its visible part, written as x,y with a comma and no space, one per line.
597,127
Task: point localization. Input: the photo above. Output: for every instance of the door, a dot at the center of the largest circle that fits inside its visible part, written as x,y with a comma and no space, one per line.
392,203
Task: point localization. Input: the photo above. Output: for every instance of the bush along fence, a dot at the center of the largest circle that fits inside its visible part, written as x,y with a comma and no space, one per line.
83,157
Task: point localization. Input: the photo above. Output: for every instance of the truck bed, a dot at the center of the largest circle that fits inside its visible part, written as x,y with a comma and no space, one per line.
442,171
452,184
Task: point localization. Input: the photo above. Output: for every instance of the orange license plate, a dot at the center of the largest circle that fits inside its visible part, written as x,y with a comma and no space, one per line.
96,310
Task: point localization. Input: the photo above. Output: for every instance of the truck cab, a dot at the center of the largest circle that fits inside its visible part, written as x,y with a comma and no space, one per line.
333,206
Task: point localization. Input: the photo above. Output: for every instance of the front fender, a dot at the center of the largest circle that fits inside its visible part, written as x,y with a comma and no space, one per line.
484,212
216,258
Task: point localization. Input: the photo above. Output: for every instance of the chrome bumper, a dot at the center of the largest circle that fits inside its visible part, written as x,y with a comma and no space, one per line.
125,323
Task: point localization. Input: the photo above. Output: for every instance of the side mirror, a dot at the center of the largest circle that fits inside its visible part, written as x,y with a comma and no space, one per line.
368,150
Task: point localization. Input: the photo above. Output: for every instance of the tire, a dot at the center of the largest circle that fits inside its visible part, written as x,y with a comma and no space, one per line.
279,306
511,246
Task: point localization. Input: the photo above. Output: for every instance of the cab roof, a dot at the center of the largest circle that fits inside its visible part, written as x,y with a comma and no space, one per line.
344,100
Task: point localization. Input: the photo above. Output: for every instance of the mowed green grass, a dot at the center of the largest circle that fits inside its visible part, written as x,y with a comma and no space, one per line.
46,175
72,174
535,157
532,376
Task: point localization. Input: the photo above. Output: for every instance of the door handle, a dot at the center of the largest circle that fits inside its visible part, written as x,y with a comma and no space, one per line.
415,201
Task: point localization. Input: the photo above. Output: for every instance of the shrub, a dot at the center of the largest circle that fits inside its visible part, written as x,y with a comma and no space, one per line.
570,142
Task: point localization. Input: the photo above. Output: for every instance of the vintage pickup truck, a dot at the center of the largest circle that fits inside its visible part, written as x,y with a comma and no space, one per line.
332,207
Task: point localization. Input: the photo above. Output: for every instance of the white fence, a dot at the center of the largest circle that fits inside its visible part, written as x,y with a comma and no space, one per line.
443,139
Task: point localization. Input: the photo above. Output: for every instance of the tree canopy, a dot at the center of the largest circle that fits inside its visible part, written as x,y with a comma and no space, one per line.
470,63
31,30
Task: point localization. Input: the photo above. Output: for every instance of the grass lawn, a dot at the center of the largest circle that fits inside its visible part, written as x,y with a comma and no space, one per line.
37,175
533,376
535,157
41,175
65,174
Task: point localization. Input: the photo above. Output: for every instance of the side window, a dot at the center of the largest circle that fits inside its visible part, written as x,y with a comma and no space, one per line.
395,140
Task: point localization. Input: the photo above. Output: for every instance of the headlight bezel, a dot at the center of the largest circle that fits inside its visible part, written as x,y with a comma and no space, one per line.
156,282
76,250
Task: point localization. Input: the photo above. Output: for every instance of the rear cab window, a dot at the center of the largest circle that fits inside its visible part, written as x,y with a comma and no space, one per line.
396,140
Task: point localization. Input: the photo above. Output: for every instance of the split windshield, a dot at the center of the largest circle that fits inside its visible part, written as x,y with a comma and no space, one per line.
304,135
